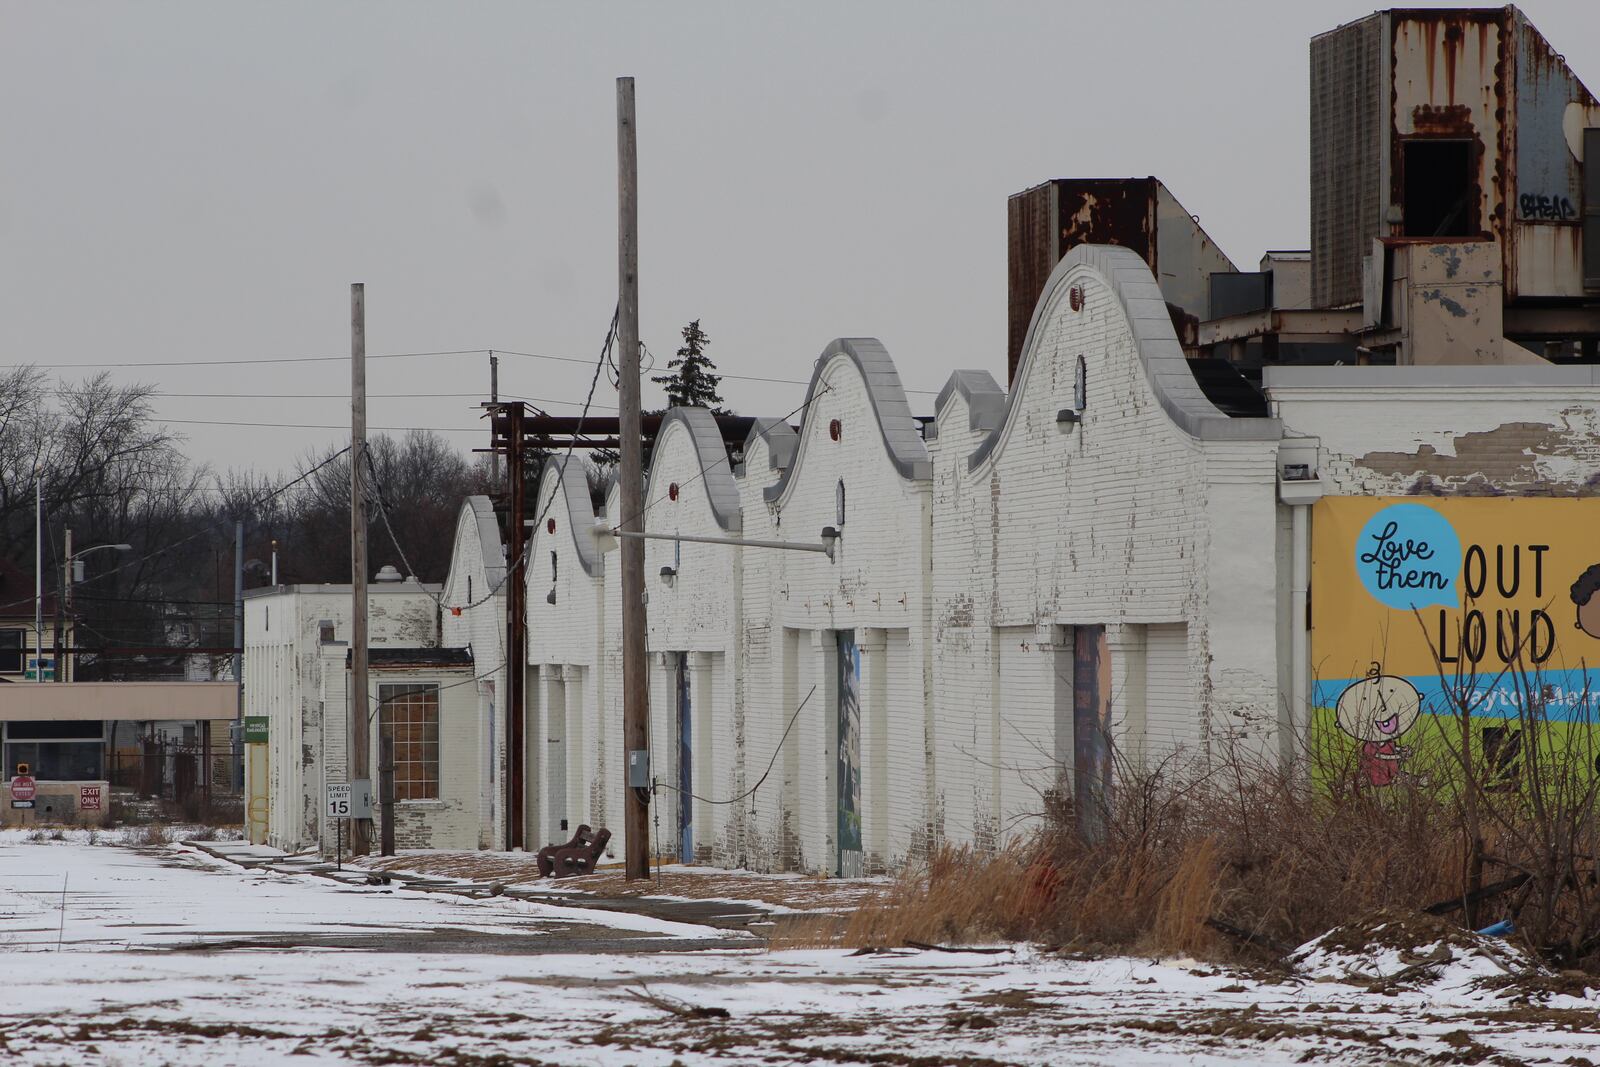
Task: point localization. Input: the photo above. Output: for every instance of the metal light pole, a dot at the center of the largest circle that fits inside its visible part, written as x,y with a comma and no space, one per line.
38,578
69,578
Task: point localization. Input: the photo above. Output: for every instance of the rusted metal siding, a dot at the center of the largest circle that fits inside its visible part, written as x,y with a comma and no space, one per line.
1483,77
1348,153
1544,187
1447,84
1591,208
1049,220
1032,252
1548,177
1046,222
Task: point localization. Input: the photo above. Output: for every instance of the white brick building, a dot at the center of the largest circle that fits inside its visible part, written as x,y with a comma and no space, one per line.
1090,594
1027,596
697,712
473,617
293,636
571,735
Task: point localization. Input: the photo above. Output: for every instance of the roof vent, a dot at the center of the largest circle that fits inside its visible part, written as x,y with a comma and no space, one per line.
387,574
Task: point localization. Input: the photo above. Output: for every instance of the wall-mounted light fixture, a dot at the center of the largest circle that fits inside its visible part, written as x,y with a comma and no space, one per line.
1066,419
669,576
550,597
830,539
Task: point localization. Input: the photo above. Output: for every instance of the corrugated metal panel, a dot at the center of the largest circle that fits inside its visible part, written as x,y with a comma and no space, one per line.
1348,126
1032,253
1049,220
1544,187
1548,177
1591,209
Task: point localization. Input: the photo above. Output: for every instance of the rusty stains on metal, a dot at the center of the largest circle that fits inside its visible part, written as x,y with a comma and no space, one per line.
1442,120
1109,212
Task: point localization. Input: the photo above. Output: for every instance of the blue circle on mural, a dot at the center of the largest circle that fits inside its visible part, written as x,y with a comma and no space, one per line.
1408,556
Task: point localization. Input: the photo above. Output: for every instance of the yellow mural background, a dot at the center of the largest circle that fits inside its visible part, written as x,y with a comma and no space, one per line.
1351,629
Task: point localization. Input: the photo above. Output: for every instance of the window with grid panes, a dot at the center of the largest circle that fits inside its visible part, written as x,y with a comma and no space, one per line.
411,717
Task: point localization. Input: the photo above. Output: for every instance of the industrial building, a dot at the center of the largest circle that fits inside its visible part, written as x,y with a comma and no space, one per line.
1171,531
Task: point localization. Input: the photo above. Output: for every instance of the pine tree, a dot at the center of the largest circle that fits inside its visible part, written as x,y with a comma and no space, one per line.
691,379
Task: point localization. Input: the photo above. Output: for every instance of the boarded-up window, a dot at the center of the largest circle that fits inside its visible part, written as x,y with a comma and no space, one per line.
411,718
11,651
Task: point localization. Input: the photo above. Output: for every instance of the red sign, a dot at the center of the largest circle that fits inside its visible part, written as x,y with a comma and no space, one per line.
22,788
89,798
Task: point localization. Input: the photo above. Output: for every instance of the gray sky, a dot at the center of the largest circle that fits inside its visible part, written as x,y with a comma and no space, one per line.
191,181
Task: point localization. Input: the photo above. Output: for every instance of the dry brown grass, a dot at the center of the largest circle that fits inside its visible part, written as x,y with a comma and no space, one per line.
960,896
1257,849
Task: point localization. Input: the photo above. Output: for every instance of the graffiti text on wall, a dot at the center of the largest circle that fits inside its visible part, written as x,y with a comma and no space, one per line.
1541,206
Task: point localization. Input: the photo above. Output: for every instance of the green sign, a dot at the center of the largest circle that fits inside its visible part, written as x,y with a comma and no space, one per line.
255,729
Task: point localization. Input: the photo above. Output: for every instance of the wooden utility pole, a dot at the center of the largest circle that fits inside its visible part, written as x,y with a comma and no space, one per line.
635,657
494,398
360,735
516,635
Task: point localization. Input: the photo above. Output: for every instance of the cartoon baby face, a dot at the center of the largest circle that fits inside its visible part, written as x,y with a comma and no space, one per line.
1380,707
1586,597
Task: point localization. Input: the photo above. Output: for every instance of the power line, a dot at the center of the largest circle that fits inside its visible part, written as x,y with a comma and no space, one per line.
214,525
701,473
394,355
245,362
512,565
772,763
289,396
346,397
720,373
309,425
383,513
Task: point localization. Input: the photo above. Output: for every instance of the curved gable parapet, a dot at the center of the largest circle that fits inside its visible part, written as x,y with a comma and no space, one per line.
781,442
573,490
1155,341
986,401
711,457
901,438
479,511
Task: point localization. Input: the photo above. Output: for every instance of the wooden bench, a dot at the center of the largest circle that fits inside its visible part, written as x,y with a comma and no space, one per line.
577,856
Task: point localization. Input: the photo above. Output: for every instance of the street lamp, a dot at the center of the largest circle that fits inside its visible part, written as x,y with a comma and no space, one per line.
71,573
74,570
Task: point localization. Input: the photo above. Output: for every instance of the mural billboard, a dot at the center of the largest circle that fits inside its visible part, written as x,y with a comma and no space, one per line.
1424,609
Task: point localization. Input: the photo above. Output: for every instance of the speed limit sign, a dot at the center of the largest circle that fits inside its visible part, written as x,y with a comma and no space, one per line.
338,801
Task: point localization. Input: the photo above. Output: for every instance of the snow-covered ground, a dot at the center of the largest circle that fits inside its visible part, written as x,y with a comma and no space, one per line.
119,994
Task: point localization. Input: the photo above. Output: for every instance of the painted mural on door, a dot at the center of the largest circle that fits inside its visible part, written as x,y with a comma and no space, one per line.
556,770
847,771
1091,727
685,716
